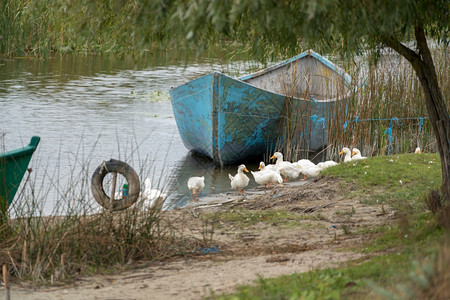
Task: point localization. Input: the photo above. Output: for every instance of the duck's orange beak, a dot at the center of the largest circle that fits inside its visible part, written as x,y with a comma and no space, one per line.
272,157
245,169
353,153
341,152
259,167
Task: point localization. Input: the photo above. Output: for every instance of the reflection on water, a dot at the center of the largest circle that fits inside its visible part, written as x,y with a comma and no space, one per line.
89,109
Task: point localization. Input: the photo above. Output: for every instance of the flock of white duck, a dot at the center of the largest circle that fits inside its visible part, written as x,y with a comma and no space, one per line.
281,171
268,176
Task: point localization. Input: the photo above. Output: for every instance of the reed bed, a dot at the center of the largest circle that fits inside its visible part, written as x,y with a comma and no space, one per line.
385,112
40,28
78,237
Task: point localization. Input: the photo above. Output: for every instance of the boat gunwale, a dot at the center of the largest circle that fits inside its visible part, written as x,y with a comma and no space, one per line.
27,150
333,67
15,161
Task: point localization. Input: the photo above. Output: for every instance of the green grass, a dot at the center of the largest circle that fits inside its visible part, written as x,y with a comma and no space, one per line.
348,282
397,180
395,251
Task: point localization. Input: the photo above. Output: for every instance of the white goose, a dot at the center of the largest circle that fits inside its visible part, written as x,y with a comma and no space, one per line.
417,151
196,184
287,169
152,198
240,180
357,154
348,154
266,176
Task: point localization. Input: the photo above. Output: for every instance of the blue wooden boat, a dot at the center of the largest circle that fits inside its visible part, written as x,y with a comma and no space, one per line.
232,120
13,165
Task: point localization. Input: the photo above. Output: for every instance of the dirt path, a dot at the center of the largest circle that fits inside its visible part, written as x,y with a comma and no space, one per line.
314,238
189,279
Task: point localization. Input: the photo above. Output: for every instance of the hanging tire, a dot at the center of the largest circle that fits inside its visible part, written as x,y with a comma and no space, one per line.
115,166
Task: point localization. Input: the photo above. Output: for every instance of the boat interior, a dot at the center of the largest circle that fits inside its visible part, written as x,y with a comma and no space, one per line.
307,79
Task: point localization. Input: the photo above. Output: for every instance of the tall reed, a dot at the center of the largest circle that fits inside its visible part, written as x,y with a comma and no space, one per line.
385,112
39,28
78,237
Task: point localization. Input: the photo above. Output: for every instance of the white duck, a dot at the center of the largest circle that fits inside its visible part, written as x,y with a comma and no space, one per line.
196,184
357,154
287,169
327,164
348,154
118,195
152,198
310,171
266,176
304,163
417,151
240,180
272,167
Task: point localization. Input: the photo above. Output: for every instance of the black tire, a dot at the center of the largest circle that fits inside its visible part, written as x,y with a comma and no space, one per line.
115,166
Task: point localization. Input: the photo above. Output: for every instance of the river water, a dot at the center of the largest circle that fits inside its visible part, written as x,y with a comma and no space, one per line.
88,109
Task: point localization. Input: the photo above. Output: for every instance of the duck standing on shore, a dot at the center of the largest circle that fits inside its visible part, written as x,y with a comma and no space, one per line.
196,184
311,171
304,163
152,198
266,176
240,180
286,168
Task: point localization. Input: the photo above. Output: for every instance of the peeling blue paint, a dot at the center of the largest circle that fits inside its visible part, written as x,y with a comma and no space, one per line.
229,120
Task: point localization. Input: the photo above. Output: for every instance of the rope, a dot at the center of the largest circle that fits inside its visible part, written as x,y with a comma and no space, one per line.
316,119
397,120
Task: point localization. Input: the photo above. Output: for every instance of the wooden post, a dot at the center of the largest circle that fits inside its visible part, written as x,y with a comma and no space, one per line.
5,281
113,191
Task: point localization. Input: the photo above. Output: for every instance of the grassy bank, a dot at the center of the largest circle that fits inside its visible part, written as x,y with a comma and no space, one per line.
408,258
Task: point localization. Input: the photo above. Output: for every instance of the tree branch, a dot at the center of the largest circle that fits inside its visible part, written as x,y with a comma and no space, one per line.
401,49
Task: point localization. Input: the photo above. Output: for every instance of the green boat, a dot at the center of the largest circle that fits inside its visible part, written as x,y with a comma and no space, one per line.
13,165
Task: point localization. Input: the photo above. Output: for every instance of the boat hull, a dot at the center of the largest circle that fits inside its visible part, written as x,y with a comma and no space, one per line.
13,165
233,120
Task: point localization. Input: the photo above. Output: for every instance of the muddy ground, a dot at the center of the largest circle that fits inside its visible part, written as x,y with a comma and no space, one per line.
319,235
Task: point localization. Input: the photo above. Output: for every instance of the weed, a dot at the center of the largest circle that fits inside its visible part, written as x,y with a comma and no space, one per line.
79,237
207,230
427,279
321,217
346,229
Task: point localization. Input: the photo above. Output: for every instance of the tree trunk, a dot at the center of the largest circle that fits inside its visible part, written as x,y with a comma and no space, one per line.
426,72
